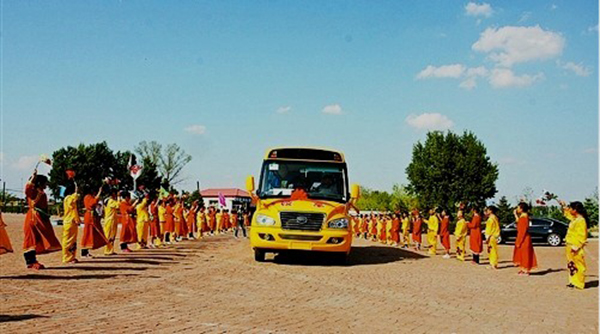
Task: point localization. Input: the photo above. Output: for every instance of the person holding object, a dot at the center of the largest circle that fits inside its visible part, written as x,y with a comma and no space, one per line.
575,241
110,222
93,235
128,231
523,254
492,232
39,237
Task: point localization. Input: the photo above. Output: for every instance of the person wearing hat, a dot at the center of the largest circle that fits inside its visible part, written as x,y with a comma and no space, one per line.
39,237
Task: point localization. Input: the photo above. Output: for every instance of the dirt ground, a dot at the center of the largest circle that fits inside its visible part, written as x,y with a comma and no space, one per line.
214,286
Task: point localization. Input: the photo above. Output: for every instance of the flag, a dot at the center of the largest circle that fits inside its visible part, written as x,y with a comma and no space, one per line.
135,170
44,158
222,199
70,174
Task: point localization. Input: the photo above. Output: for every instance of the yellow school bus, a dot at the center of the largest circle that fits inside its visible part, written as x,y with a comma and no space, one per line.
303,203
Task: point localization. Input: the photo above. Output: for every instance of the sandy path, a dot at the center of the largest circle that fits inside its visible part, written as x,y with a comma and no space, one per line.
214,286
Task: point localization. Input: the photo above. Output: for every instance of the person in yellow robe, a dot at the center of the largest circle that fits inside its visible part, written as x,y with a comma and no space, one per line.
460,232
388,229
433,224
142,223
405,230
575,242
71,221
492,232
162,218
219,218
110,222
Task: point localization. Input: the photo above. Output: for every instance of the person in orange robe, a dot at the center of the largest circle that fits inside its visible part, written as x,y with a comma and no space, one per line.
155,234
179,220
212,220
191,220
128,230
395,230
39,237
416,229
5,245
93,234
445,233
169,221
373,227
523,254
226,220
475,238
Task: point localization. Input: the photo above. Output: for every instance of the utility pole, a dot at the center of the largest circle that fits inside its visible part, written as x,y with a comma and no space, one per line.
198,186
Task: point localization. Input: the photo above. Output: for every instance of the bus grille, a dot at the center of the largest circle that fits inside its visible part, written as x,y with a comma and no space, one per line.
302,221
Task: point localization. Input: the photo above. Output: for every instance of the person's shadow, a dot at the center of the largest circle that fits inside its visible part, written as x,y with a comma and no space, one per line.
358,256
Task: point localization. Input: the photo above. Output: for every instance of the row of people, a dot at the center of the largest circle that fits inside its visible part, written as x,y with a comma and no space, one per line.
402,229
146,222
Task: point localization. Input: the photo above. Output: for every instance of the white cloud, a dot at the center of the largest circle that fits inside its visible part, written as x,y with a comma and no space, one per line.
505,78
593,28
554,7
578,69
511,45
524,17
445,71
591,150
429,121
25,162
196,129
473,9
283,110
332,109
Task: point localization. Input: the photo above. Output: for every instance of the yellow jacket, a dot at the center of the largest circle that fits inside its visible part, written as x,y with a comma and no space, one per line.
162,213
405,224
461,229
492,227
110,210
577,233
71,210
433,223
142,211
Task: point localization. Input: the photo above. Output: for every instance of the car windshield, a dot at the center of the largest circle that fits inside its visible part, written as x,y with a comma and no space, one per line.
319,179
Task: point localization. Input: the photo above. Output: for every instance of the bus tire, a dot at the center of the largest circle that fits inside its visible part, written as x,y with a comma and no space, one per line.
259,255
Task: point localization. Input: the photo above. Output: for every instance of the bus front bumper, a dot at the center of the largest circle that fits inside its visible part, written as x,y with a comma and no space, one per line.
273,238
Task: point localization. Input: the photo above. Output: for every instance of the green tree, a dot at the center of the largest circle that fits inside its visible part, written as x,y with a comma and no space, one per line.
505,211
169,160
92,164
591,206
449,168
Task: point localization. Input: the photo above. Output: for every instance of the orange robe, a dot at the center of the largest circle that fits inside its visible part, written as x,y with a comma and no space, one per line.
39,233
524,255
416,231
475,239
364,225
234,220
246,220
395,230
445,233
5,245
191,220
383,231
212,220
128,231
226,222
93,234
374,226
154,222
169,221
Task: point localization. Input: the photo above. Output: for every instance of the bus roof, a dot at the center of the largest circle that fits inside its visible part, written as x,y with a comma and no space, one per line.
304,153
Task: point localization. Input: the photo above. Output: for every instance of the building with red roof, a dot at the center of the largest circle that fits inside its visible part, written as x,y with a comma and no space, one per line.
234,198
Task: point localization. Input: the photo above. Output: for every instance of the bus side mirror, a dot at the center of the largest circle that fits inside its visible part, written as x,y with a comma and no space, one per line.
250,184
354,192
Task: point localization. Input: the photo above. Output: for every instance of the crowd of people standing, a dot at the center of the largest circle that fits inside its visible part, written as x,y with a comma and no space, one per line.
152,220
404,229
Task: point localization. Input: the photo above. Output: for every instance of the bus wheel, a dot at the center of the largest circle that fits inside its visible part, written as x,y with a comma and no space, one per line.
259,255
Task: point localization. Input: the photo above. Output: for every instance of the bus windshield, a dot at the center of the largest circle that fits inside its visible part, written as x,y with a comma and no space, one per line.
321,180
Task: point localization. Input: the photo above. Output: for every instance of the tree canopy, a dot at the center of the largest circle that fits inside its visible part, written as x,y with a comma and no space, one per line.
449,168
169,160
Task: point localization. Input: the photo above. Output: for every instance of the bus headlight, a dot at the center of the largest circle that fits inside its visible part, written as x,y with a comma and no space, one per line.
338,223
264,220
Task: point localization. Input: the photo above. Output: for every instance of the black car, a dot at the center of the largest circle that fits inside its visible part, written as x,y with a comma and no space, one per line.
545,230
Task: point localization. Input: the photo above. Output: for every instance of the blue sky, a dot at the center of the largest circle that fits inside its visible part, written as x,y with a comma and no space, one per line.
228,79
